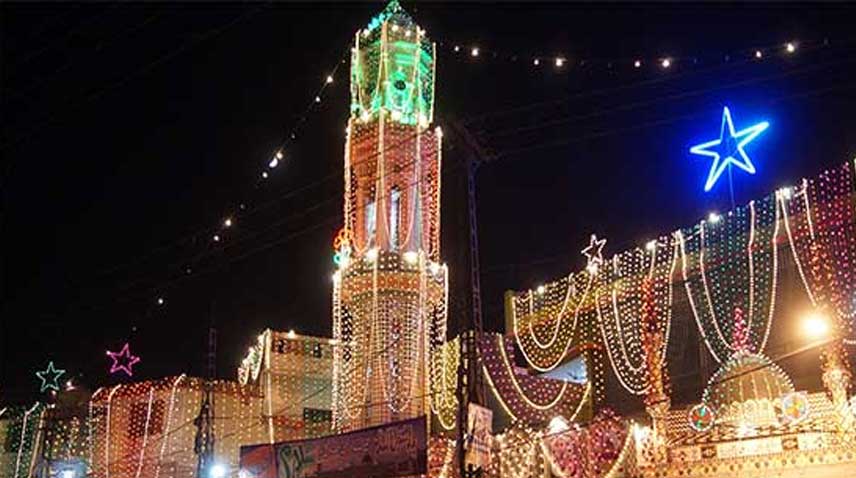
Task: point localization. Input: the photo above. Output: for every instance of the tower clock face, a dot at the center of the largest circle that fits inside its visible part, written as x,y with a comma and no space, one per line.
399,91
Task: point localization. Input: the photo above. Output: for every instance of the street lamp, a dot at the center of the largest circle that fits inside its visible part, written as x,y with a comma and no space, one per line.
217,470
816,326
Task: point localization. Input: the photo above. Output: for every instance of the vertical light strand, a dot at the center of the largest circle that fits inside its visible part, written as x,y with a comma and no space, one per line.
145,430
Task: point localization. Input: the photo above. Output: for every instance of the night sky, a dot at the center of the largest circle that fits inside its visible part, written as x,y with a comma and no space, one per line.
130,131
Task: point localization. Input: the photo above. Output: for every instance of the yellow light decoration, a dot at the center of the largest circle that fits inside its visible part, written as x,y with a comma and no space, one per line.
146,428
515,392
620,305
560,302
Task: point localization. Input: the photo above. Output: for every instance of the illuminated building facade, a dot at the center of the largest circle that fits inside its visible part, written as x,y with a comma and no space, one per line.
390,290
146,429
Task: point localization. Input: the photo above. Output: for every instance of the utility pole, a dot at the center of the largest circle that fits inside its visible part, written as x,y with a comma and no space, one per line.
470,388
204,443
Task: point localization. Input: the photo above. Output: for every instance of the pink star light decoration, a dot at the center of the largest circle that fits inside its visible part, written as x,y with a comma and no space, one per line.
123,360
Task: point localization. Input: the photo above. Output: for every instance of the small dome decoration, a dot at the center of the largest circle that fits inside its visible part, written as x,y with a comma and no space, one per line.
745,390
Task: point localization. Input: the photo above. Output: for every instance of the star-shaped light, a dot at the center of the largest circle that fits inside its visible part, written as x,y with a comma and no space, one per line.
594,253
50,377
123,360
728,149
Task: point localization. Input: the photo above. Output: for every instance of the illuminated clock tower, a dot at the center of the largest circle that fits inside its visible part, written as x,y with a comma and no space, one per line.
389,294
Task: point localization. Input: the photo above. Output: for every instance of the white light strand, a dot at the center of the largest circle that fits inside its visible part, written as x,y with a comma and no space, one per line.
107,433
146,430
520,392
23,435
553,362
786,219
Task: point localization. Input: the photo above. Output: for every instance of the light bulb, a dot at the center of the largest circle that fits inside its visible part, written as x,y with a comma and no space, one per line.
637,64
560,62
273,163
228,222
666,63
216,238
329,79
758,54
536,62
541,289
217,471
791,47
816,326
651,245
474,51
411,257
371,254
264,175
317,99
279,154
713,218
291,334
557,425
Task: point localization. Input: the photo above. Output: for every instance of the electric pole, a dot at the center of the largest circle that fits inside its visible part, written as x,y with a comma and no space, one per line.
470,388
204,443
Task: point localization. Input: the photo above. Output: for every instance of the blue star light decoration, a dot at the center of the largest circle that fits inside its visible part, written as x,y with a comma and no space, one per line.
728,149
50,377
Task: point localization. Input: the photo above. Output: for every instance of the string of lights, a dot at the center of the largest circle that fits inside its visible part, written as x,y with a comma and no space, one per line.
217,233
560,62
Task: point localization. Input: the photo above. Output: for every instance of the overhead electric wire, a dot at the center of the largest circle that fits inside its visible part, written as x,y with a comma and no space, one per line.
501,155
197,39
613,89
602,112
674,96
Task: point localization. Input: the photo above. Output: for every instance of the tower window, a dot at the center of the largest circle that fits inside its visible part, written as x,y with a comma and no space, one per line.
371,223
394,214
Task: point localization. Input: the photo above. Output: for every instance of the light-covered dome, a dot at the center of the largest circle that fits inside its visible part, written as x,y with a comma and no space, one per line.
745,389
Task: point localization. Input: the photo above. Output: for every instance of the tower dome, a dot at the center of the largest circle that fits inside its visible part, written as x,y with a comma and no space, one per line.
745,388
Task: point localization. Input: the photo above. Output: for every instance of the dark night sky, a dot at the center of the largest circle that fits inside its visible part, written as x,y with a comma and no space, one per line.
129,131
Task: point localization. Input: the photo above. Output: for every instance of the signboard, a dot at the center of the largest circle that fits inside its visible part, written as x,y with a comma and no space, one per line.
387,451
479,427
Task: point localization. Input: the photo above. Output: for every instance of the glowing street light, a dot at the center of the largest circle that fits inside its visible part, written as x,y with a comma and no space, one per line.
816,326
217,470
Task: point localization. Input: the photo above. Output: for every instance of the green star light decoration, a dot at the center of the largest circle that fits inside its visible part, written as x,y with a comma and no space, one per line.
53,381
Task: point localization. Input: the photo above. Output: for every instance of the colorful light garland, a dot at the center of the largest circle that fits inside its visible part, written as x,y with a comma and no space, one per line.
389,295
